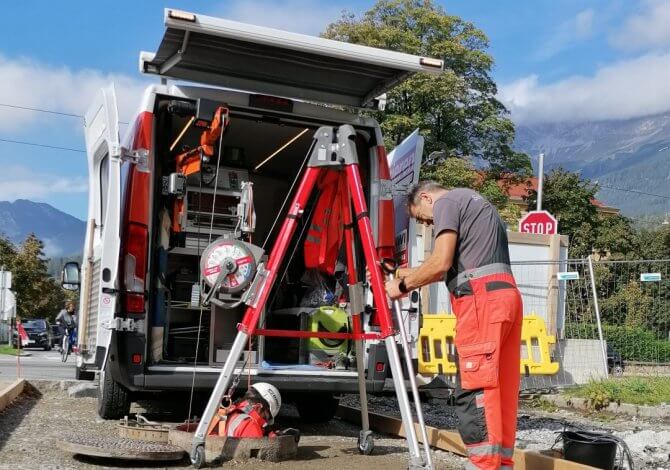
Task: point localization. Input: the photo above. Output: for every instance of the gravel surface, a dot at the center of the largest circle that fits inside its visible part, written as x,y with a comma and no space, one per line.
31,428
648,440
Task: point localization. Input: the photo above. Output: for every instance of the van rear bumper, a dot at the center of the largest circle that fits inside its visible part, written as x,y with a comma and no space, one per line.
161,378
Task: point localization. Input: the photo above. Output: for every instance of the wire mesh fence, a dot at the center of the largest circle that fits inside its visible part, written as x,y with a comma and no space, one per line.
634,300
563,340
602,318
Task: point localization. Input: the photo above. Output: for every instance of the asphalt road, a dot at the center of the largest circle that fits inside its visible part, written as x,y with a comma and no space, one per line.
45,365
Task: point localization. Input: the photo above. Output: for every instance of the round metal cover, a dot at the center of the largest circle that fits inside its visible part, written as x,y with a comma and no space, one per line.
119,448
142,429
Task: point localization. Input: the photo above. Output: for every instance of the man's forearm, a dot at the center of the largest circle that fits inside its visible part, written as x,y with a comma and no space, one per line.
427,273
404,272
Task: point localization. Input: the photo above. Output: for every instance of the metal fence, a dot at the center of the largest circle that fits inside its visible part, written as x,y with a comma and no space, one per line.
634,301
601,318
567,346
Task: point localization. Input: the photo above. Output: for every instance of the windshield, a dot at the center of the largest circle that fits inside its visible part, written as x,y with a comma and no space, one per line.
35,324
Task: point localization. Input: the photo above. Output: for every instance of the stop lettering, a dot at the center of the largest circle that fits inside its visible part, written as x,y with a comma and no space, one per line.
538,222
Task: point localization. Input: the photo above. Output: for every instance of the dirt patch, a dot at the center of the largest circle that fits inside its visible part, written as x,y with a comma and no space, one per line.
31,428
648,439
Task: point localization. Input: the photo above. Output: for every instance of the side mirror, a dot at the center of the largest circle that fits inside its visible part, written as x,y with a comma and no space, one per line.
70,276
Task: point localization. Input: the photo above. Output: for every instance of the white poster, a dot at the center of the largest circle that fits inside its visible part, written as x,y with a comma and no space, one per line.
404,164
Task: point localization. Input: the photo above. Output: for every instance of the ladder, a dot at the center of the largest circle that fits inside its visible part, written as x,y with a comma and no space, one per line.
333,149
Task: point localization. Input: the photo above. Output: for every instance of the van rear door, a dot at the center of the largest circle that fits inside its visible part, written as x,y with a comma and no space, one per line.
240,56
101,129
404,165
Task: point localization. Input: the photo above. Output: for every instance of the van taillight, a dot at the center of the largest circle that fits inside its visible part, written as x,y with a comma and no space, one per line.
135,263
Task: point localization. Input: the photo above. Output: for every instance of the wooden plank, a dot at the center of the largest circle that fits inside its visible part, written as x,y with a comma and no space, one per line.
451,441
10,392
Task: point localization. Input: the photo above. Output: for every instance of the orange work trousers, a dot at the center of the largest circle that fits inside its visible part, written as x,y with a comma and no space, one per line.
489,315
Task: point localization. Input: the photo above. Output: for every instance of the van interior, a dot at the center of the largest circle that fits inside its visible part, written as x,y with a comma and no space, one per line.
252,148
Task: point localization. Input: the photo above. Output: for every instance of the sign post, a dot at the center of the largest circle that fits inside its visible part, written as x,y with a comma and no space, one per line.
538,222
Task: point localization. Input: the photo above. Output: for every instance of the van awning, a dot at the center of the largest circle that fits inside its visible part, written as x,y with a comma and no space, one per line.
229,54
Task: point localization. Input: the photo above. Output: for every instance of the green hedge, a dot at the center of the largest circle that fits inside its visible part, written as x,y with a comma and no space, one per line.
633,343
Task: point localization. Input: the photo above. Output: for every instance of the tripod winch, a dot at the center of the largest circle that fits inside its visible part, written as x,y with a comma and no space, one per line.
228,268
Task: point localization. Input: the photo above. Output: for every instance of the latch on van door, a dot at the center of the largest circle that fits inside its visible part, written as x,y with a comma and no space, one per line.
139,157
124,324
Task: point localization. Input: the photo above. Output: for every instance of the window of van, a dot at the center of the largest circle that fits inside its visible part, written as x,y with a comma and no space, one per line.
104,187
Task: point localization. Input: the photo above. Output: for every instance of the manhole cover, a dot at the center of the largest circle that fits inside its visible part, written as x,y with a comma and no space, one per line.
120,448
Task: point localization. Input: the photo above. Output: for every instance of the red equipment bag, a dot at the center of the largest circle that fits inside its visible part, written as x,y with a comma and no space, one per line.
326,231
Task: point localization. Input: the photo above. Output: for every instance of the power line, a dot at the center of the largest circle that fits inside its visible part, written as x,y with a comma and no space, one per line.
40,110
20,142
49,111
633,191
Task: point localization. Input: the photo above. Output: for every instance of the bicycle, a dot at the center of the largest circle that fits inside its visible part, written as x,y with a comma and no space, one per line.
68,342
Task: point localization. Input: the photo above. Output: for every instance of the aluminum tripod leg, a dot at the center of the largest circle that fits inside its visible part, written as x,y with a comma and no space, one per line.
412,379
365,440
222,384
384,313
415,459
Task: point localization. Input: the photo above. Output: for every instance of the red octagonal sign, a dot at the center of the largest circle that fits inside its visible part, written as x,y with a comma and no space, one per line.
541,222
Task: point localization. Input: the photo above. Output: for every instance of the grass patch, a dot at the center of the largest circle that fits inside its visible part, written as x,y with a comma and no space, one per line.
633,390
542,405
9,350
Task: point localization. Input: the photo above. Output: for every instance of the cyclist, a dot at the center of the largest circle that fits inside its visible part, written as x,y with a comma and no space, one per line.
66,318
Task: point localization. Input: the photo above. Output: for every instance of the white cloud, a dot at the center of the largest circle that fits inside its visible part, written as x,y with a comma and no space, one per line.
568,33
52,247
25,82
298,16
647,30
627,89
20,182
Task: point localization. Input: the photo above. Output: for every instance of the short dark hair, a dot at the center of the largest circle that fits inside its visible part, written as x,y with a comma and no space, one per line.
422,187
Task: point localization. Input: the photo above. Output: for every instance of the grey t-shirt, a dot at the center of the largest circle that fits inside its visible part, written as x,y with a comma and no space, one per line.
482,238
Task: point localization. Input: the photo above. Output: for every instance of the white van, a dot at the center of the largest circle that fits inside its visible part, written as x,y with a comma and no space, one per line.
141,325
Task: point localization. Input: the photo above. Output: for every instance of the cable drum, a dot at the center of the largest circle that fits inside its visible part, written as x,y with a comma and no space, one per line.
230,263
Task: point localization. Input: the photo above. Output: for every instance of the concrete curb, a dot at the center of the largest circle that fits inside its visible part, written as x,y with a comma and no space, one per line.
9,393
642,411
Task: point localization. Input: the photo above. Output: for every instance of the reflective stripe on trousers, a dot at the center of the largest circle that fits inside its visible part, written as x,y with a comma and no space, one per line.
488,346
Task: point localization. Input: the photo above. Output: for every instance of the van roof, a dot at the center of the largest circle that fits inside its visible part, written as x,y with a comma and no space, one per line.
241,56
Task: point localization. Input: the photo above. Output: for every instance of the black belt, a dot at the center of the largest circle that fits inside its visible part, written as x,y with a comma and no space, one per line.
465,288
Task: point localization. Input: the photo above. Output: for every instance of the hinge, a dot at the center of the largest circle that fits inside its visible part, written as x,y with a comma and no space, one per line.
139,157
124,324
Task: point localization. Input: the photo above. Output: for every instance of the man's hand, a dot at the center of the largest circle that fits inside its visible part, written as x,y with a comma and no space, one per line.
393,289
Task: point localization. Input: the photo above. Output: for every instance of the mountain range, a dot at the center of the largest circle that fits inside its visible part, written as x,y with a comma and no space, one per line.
631,154
62,234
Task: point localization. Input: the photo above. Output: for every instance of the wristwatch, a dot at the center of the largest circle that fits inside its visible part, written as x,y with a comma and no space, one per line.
402,287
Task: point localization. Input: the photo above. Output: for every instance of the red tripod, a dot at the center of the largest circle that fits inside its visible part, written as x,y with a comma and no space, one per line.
333,149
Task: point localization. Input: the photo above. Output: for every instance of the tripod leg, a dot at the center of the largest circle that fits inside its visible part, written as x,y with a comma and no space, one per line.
384,313
250,321
365,440
222,384
412,379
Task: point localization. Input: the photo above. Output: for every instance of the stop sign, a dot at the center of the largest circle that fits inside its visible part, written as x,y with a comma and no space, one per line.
541,222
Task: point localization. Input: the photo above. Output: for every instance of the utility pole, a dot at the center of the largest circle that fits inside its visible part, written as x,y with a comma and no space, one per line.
540,181
2,302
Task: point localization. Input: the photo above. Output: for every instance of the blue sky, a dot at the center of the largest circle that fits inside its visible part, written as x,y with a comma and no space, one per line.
555,60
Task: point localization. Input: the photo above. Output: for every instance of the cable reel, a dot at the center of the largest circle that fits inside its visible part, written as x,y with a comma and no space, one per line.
228,268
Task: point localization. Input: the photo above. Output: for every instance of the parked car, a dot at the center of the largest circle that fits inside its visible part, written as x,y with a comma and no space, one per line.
57,332
39,333
615,364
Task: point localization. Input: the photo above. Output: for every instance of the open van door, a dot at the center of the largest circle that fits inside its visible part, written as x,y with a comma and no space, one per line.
404,165
101,261
240,56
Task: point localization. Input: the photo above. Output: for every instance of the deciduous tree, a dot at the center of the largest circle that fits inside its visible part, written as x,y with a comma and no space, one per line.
457,111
